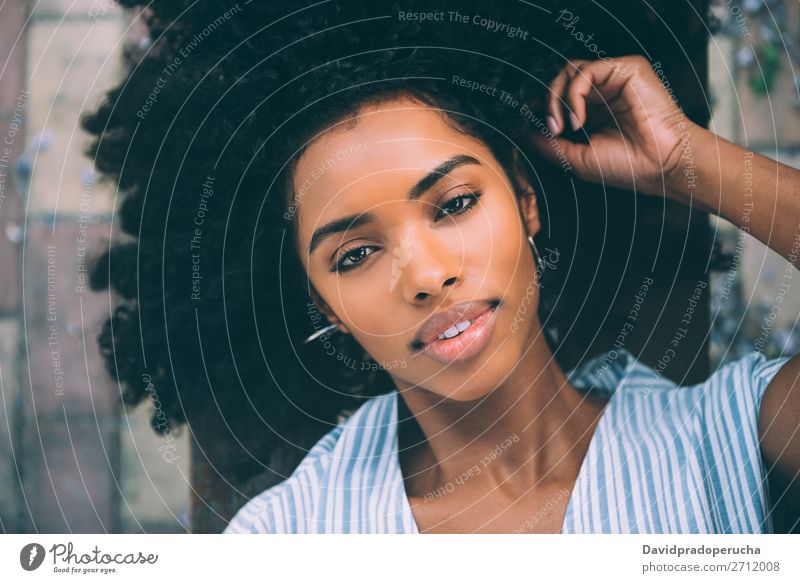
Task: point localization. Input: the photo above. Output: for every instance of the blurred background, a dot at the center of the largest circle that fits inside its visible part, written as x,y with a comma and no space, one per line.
73,460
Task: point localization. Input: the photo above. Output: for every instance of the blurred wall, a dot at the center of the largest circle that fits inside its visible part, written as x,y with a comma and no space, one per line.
73,460
755,299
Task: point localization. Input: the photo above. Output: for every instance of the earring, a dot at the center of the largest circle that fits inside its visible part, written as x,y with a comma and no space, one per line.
535,251
320,332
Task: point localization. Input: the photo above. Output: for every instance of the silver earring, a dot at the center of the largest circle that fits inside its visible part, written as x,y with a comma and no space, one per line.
320,332
535,250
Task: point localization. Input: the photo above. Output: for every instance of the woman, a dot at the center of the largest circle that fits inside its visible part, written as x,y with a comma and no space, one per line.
406,186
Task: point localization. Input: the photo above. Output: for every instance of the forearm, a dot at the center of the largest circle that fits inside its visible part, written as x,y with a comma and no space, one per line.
759,195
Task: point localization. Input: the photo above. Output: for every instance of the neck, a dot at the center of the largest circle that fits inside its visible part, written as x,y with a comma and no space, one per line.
534,428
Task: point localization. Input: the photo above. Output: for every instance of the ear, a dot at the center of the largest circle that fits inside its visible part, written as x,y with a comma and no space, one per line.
326,311
527,198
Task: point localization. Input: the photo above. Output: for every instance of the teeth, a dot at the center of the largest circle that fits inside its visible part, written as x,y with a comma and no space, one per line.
455,329
463,325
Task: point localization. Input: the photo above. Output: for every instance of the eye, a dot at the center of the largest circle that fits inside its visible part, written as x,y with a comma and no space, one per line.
456,205
351,259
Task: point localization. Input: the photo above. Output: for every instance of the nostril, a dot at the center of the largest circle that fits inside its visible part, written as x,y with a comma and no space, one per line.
449,281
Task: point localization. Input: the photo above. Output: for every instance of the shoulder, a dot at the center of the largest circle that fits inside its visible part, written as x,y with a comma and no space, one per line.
779,413
724,408
292,506
733,404
704,439
268,512
729,401
739,388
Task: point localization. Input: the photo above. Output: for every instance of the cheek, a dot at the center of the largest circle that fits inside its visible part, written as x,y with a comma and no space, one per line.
367,310
384,343
498,242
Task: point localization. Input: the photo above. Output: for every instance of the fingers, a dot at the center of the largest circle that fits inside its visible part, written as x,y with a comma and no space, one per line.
577,92
555,120
557,92
578,83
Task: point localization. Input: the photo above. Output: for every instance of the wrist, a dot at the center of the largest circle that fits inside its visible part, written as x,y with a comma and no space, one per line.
682,171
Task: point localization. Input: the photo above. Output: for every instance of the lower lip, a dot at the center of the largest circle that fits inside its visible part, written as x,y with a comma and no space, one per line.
466,345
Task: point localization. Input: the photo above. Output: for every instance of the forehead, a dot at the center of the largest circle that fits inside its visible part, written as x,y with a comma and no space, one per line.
389,136
378,157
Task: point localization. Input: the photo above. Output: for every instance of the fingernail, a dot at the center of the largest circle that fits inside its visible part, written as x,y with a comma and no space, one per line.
552,125
573,119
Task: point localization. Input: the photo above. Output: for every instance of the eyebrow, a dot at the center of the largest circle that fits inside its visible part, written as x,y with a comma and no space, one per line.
426,183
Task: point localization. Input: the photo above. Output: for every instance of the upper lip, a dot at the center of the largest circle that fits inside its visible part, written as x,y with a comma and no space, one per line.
441,321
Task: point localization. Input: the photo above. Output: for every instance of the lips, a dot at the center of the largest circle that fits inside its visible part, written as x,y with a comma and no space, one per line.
440,323
465,346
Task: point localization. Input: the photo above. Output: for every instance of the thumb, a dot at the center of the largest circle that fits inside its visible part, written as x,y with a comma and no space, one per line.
559,151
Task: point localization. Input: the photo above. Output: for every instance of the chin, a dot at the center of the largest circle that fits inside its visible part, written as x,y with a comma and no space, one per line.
478,383
464,395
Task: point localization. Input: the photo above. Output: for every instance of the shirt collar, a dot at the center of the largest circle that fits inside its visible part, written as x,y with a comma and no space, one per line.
606,371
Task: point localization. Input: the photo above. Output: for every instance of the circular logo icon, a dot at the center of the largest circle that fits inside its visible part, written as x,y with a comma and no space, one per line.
31,556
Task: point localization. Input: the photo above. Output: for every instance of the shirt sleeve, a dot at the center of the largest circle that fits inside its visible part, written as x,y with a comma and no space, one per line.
751,376
763,372
735,470
740,385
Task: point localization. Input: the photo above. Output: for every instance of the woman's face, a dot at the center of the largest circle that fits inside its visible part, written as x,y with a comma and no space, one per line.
402,217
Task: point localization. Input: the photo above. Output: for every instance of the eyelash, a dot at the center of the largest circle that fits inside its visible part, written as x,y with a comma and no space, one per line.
466,196
341,269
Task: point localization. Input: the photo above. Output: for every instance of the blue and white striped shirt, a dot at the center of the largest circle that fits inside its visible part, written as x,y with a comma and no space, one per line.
663,459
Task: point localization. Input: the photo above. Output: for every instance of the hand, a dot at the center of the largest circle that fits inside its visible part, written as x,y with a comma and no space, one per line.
639,138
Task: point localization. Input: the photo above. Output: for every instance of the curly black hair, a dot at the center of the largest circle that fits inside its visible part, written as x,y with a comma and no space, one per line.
201,137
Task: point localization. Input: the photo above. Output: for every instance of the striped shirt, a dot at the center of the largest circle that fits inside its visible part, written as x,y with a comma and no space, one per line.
662,459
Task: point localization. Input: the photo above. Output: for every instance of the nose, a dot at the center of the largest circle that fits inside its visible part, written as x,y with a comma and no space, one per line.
431,269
